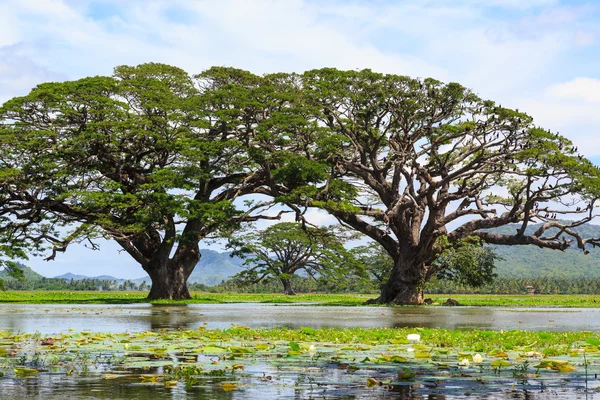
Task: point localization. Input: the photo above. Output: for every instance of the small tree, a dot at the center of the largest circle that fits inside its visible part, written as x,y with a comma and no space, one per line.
284,249
467,262
375,261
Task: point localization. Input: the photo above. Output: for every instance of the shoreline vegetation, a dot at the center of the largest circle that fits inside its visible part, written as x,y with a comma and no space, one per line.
129,297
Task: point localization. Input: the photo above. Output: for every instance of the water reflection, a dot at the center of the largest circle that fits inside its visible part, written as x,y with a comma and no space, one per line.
140,317
291,386
51,387
163,316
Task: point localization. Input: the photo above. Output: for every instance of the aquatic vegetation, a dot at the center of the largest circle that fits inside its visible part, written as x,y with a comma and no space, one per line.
239,358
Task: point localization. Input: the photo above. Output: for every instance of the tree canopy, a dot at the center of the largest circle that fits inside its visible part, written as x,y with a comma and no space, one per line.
149,157
420,166
157,159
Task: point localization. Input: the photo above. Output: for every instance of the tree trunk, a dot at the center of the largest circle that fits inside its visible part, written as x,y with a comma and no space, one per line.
287,286
405,285
169,280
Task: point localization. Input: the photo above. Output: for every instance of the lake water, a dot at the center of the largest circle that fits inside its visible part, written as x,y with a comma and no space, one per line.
49,319
291,383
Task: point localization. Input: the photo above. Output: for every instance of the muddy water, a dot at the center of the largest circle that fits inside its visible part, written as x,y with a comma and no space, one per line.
50,319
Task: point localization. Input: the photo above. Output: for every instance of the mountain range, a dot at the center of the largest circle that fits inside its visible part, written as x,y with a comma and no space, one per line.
213,268
515,261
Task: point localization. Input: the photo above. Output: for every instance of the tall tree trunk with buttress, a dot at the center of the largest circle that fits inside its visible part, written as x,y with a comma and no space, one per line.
404,285
169,278
287,286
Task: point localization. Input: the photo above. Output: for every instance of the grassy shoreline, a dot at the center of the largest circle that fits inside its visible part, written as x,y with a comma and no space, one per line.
115,297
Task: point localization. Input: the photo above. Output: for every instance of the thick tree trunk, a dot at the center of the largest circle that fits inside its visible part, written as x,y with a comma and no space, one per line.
287,286
169,280
405,285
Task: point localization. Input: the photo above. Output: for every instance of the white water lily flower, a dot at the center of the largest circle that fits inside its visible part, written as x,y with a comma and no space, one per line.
413,337
312,350
477,358
464,362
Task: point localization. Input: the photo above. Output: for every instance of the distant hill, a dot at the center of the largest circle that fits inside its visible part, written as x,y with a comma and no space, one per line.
29,274
68,276
517,262
533,262
215,267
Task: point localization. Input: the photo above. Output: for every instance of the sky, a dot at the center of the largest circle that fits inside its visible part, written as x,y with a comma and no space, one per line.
539,56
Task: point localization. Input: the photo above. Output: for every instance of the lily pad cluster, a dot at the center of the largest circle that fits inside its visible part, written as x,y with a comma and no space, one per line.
328,362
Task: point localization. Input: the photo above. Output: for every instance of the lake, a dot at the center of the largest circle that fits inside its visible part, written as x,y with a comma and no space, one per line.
53,318
284,379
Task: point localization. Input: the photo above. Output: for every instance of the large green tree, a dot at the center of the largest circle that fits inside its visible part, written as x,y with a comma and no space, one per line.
149,157
284,249
425,165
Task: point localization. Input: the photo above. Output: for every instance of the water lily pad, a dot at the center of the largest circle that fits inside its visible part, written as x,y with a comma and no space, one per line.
594,341
500,363
372,382
228,386
214,350
25,371
406,374
422,354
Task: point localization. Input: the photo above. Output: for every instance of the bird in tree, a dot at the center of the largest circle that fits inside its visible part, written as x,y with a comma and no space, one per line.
150,157
438,165
284,249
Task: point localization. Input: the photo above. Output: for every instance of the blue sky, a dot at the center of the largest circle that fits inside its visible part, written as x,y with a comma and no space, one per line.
540,56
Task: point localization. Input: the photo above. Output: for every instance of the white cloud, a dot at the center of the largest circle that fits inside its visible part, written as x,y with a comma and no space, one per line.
450,40
18,73
8,27
519,4
571,107
584,89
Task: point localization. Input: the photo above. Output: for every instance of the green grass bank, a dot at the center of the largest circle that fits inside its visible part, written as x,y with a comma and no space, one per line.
114,297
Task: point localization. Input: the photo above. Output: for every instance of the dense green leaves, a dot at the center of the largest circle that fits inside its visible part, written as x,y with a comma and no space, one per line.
467,262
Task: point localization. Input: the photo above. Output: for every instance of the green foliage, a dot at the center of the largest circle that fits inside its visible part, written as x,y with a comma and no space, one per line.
209,363
150,156
295,170
11,270
467,262
300,284
156,159
284,249
518,285
375,260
